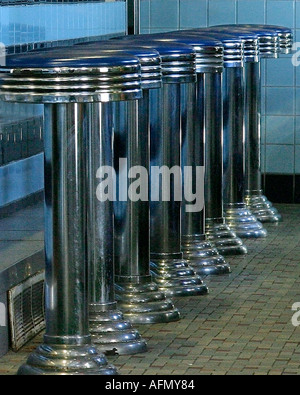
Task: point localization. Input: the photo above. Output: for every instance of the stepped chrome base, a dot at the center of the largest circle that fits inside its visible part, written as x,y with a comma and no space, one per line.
176,278
66,360
145,304
203,257
261,207
113,335
223,238
243,222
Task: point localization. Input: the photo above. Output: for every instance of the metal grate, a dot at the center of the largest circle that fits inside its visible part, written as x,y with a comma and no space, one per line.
26,310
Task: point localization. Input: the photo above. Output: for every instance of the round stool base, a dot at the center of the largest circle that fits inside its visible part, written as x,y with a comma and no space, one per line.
176,278
261,207
66,360
114,336
223,238
243,222
145,304
203,257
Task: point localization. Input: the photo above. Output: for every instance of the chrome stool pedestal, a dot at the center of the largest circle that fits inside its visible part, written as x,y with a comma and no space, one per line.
138,296
242,47
197,250
110,331
171,271
210,108
273,40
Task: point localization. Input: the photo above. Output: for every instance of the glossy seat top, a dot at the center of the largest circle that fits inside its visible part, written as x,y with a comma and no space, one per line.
163,48
264,28
184,37
118,45
67,57
256,29
227,39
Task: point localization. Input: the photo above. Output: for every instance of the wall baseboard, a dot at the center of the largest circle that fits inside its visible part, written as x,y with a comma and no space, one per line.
281,188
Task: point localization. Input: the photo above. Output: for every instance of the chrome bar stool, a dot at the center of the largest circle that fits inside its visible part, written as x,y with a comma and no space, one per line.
65,82
273,41
138,296
199,252
241,48
110,331
210,114
172,273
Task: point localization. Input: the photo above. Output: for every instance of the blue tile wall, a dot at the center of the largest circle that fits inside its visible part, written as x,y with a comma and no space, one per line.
51,21
281,80
32,23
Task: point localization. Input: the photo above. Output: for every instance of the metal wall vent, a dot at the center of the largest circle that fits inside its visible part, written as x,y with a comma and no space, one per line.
26,310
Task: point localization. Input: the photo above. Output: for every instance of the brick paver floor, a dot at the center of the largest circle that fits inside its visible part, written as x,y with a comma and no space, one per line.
242,327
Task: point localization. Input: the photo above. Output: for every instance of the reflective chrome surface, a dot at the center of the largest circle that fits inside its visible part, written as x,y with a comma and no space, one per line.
204,258
178,60
286,40
249,39
172,273
261,207
50,359
256,201
110,332
269,45
144,303
217,232
242,222
67,343
233,46
151,70
65,84
223,237
209,51
139,298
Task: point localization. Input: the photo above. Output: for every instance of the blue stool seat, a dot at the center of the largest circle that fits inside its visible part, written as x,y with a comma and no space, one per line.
233,46
284,35
178,60
149,58
67,57
209,51
251,41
